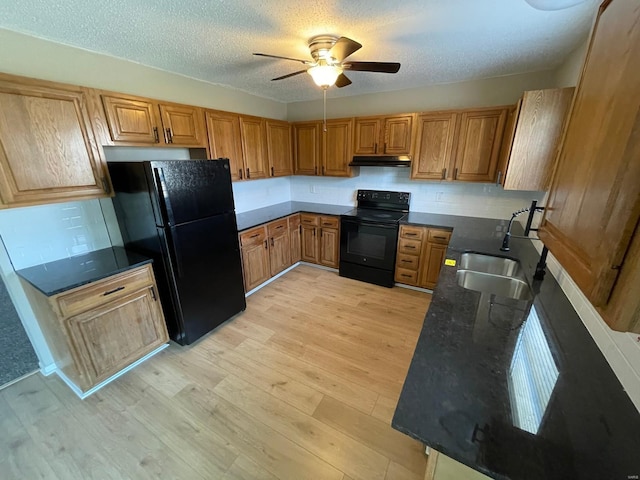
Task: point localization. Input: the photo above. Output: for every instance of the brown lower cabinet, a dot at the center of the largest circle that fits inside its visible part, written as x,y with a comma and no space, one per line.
421,253
269,249
320,239
96,330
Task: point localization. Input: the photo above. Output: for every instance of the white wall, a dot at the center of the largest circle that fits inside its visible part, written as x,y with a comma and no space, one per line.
568,73
466,199
34,57
476,93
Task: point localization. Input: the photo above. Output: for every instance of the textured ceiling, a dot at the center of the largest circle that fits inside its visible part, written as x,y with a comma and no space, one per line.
436,41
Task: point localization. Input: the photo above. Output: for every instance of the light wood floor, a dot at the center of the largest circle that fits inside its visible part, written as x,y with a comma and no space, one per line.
302,385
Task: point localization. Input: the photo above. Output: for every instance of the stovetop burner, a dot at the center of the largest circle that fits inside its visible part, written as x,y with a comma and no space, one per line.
372,215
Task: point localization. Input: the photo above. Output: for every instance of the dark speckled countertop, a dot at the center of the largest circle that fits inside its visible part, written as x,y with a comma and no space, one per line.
473,388
259,216
59,276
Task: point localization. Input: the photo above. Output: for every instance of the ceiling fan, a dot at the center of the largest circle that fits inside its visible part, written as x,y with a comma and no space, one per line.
328,65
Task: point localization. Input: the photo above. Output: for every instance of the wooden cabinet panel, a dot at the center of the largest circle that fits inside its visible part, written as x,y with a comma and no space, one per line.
406,276
48,150
183,125
439,236
307,147
409,247
337,148
131,120
113,336
254,146
295,238
434,146
367,134
594,203
480,136
255,264
279,253
329,247
225,140
533,146
397,135
279,148
433,259
310,244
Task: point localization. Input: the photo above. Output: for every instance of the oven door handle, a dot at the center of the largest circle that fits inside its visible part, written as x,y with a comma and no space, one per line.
370,224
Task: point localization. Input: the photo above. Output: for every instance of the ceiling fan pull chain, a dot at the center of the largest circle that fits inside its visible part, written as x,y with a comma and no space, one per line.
324,109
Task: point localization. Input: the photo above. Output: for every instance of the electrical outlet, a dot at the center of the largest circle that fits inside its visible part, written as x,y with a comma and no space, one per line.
312,189
439,196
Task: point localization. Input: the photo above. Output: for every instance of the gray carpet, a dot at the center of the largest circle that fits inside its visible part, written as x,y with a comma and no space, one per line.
17,357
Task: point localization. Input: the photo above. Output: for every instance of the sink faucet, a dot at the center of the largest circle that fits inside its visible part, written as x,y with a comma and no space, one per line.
532,210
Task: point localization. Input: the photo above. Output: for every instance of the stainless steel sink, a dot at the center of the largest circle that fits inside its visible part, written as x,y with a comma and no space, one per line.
510,287
479,262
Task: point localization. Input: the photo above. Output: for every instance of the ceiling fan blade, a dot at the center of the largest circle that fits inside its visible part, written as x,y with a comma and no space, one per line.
306,62
382,67
343,48
342,81
289,75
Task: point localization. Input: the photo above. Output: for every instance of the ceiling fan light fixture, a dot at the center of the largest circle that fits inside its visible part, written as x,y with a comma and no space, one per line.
325,76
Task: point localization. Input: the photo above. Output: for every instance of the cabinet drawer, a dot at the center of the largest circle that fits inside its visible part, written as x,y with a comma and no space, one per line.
409,247
253,237
439,236
329,222
294,221
98,293
414,233
279,227
410,277
409,262
309,219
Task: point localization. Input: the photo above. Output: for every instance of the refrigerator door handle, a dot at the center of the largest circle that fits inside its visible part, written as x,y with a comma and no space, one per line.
173,250
165,201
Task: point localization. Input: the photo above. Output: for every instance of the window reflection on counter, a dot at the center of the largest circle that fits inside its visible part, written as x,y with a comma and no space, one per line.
532,375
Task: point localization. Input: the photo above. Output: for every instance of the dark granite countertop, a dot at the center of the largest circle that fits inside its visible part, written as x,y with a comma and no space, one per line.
61,275
259,216
514,389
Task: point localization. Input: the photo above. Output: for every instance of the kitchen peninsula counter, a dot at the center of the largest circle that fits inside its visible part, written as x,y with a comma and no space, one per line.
253,218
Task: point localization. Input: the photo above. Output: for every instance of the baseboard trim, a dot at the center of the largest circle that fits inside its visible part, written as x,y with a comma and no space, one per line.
411,287
251,292
48,369
16,380
82,395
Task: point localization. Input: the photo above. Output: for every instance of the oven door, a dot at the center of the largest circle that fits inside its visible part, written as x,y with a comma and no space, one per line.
368,243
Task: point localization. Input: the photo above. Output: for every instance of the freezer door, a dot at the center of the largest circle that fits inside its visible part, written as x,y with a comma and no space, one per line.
189,190
207,273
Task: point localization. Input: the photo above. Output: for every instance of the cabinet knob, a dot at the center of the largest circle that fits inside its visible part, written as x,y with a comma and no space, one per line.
455,173
169,136
444,173
248,174
272,174
240,170
499,178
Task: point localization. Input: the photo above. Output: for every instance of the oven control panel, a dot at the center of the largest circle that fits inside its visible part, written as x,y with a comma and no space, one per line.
383,199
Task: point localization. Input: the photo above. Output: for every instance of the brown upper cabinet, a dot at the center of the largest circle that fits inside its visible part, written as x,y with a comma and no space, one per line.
48,149
478,144
319,152
594,203
435,142
279,148
254,146
383,135
141,121
531,139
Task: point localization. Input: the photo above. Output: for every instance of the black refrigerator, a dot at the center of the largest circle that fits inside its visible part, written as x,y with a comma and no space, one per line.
181,214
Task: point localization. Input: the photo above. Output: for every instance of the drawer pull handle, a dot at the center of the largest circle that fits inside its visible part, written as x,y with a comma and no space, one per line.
406,261
279,227
410,247
408,234
255,235
326,224
405,275
121,287
440,238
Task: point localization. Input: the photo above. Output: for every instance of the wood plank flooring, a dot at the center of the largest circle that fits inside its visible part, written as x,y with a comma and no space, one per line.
302,385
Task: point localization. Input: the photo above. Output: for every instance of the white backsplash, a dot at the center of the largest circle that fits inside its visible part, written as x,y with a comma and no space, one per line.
261,193
467,199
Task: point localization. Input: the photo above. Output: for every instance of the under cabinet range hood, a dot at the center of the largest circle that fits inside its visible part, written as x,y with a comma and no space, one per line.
381,161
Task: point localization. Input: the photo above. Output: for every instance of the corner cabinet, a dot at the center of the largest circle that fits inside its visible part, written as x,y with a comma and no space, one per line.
96,330
591,220
320,239
48,148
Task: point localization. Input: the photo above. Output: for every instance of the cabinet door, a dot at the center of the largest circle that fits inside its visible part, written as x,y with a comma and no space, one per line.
295,237
306,147
337,148
329,247
48,150
397,135
225,140
255,264
131,120
310,244
367,135
279,253
594,203
541,115
183,125
254,147
433,259
279,148
479,145
434,146
111,337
